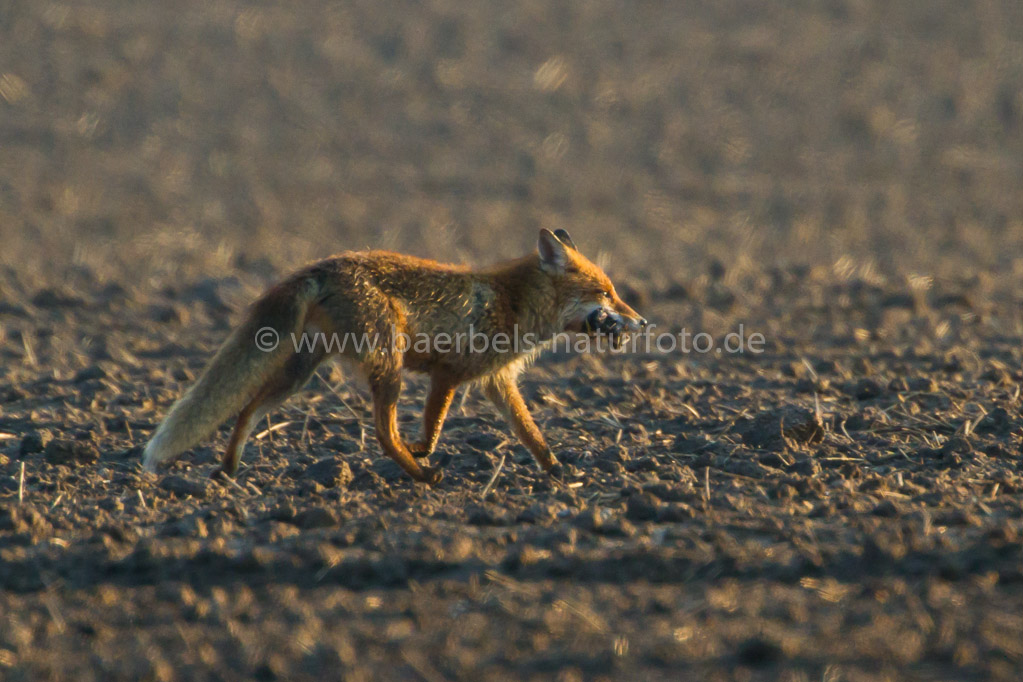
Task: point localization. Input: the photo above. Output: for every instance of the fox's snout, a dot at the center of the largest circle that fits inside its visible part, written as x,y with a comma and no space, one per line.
634,324
602,320
630,320
612,324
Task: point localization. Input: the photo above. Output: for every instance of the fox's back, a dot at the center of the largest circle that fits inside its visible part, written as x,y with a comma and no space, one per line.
423,293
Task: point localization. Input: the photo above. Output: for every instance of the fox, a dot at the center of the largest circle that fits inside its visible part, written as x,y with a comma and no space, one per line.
393,298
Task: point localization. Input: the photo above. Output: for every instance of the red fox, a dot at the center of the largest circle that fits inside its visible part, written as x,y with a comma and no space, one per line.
398,301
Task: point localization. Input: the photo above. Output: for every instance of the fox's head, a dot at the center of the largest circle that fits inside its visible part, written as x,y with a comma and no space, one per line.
586,299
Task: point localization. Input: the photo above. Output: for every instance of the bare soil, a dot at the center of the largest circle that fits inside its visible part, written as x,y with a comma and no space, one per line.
842,177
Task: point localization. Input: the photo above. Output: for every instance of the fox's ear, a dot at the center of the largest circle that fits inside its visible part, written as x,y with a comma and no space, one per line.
553,254
565,238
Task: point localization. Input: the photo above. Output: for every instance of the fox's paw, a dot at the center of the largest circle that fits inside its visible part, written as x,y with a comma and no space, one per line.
556,472
432,475
220,474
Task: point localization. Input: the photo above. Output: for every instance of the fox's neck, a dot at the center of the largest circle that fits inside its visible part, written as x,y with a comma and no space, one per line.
528,297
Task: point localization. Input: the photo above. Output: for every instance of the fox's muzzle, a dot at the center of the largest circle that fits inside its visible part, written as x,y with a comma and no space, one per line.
615,326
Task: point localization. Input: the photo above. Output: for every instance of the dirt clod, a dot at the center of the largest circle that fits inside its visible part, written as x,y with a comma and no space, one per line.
865,389
315,517
642,507
185,487
330,472
34,441
68,452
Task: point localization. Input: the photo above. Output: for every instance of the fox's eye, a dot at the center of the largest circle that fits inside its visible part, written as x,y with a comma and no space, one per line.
606,294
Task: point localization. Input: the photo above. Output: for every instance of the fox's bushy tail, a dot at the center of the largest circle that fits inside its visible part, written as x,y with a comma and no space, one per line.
240,367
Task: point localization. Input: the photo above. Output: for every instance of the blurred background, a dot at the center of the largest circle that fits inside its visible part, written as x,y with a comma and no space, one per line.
152,143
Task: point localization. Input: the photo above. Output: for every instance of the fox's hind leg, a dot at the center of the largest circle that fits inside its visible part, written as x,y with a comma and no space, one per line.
278,388
365,315
442,390
386,388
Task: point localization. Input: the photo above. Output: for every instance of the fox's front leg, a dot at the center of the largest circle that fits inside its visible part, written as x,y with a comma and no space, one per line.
442,390
502,390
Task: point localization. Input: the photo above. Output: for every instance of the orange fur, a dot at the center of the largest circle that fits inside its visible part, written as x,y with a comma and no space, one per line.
382,295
